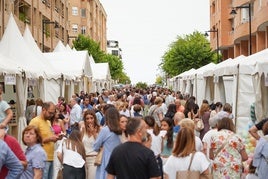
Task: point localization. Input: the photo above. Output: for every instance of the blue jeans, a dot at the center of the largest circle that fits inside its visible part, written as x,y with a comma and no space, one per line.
48,172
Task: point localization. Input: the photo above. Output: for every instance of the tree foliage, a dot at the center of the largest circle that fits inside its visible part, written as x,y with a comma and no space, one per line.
190,51
115,63
159,80
141,85
93,48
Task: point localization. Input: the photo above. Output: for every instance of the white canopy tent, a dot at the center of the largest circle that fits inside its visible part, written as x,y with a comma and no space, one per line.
60,47
256,66
203,87
76,65
186,84
14,47
52,86
101,76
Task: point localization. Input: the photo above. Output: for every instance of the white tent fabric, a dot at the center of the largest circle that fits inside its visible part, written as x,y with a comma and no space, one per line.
21,88
13,46
186,84
7,66
201,85
60,47
257,65
101,76
74,65
50,85
68,48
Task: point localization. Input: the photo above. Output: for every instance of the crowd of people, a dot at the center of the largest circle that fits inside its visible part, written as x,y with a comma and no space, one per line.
148,133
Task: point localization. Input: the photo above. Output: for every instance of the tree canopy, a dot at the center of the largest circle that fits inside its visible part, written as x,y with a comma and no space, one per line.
115,63
189,51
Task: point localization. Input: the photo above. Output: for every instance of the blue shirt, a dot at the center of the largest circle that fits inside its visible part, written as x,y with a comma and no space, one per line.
89,106
36,158
3,107
261,156
8,158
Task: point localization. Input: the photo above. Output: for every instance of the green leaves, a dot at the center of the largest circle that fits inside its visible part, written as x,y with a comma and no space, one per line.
189,51
115,64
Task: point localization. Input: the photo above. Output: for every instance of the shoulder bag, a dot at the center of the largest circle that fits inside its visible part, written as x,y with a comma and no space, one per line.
199,124
98,159
188,174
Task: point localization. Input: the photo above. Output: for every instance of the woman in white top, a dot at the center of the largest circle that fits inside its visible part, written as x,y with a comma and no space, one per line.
157,139
72,154
183,150
90,130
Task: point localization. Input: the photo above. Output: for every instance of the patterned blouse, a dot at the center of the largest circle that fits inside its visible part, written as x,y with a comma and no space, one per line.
228,162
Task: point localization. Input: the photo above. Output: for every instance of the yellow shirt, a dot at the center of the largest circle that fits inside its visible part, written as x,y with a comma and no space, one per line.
46,131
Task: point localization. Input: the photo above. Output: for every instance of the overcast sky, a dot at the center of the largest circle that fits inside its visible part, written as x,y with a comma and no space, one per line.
145,28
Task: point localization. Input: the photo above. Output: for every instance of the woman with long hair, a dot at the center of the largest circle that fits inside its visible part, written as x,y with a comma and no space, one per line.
108,138
183,151
157,139
122,124
73,156
167,144
90,132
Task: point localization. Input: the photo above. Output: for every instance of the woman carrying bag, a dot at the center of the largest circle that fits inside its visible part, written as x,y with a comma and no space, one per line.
185,158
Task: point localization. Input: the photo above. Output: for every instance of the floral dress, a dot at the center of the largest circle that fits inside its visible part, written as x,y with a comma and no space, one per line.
228,162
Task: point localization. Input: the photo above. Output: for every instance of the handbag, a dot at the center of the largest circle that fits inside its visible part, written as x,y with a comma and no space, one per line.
98,159
199,125
188,174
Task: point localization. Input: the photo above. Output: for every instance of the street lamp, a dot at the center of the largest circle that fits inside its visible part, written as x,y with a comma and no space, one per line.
43,30
233,12
217,36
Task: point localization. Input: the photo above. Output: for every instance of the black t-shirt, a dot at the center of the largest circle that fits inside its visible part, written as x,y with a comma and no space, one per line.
261,123
133,160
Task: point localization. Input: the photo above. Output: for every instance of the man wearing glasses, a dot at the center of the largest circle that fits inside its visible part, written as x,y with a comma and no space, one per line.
42,122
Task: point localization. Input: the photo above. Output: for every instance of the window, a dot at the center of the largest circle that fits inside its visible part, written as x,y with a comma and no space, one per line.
75,11
115,52
75,28
244,15
83,29
83,12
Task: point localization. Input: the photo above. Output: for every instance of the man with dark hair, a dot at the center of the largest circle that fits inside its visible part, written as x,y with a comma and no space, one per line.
132,159
42,122
255,128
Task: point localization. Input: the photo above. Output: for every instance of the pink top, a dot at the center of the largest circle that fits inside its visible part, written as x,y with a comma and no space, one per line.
57,129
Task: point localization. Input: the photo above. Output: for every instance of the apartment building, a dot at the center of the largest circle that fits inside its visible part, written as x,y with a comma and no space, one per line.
88,17
47,19
242,32
54,20
113,48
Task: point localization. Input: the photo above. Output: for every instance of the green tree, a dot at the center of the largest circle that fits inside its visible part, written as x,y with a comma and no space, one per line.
141,85
93,48
159,80
124,79
190,51
115,63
